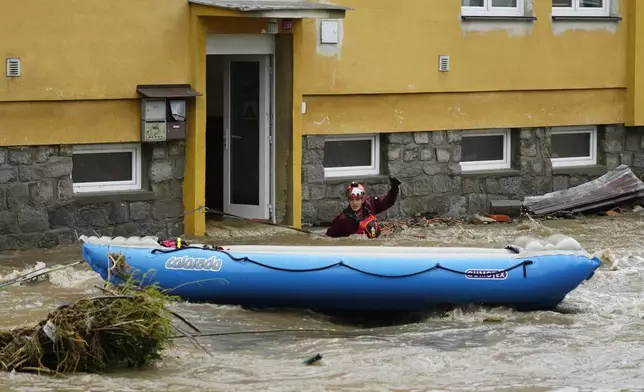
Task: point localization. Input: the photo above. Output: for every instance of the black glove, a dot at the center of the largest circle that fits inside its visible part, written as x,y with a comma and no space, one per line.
394,182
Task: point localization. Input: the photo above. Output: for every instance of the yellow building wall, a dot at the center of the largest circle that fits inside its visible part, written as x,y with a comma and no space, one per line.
384,75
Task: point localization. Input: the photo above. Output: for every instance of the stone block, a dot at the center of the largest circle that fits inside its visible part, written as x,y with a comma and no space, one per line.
559,183
439,138
314,157
63,216
179,168
317,192
433,168
506,207
614,139
42,192
8,174
394,153
612,161
32,220
8,222
454,169
472,185
440,183
309,213
638,159
527,134
426,153
20,155
410,154
626,158
443,155
118,212
92,216
161,171
314,174
65,189
328,210
510,185
420,187
528,148
17,195
167,210
159,152
454,137
3,155
65,150
139,210
177,148
43,153
402,138
421,137
633,142
492,185
312,142
476,203
405,170
3,198
456,153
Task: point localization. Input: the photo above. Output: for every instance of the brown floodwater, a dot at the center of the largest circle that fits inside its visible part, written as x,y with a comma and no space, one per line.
592,342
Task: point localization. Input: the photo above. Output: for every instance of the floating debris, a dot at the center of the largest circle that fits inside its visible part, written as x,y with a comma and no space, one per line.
313,359
617,186
129,327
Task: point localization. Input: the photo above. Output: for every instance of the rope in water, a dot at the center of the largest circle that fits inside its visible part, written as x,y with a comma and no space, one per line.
437,266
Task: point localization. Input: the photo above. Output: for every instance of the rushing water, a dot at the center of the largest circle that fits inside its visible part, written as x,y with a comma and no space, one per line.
593,342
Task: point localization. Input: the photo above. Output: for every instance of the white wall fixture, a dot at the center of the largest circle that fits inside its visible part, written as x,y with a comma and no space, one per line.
443,63
329,33
13,69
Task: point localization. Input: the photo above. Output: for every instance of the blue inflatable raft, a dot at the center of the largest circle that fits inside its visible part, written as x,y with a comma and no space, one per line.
529,274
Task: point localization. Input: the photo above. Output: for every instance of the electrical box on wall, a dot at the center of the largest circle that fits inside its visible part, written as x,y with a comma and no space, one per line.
163,111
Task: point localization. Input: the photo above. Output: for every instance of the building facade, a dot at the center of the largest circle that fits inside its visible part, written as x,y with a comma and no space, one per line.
123,118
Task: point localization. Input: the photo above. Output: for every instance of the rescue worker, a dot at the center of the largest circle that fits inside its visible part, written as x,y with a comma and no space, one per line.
360,216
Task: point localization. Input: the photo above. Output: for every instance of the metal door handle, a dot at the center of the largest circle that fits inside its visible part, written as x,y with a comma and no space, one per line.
226,133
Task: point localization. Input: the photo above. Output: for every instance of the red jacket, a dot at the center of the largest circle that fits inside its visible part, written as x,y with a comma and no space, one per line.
344,225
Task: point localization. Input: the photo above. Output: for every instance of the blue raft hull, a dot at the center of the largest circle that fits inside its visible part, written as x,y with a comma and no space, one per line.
530,274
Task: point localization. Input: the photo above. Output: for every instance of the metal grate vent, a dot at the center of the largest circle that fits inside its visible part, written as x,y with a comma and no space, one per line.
443,63
13,67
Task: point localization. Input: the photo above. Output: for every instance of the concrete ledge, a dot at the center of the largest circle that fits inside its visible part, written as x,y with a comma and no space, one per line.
506,207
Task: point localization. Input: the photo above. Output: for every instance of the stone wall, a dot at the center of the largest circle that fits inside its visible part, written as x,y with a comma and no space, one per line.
427,163
39,209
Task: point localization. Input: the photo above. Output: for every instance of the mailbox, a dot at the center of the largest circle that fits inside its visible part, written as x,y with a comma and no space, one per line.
163,111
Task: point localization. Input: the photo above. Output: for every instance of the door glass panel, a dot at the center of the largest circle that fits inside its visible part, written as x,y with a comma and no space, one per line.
244,132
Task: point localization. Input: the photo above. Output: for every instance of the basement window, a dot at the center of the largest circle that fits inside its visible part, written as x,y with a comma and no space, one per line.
573,146
492,7
580,7
485,150
357,155
106,167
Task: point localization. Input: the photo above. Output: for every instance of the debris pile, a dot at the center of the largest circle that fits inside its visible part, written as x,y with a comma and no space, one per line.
617,186
128,327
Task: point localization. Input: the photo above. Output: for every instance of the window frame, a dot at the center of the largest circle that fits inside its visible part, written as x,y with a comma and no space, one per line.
488,10
110,186
577,161
503,164
577,10
346,171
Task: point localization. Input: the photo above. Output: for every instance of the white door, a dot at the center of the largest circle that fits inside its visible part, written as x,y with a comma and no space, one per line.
247,108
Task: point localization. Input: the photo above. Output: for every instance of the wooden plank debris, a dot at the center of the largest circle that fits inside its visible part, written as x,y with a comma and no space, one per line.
616,186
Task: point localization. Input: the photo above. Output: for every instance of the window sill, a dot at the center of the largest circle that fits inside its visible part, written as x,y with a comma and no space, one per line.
491,173
592,170
499,18
110,197
587,18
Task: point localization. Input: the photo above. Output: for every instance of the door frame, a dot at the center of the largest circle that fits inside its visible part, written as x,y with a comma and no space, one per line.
230,45
261,211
